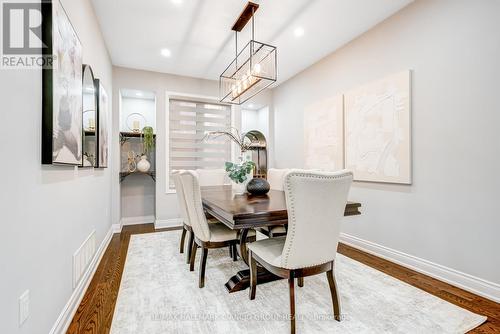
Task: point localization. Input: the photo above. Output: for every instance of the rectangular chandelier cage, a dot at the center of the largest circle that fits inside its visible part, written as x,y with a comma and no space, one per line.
253,70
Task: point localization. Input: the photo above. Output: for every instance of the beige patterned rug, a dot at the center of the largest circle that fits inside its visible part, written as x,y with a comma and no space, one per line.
158,294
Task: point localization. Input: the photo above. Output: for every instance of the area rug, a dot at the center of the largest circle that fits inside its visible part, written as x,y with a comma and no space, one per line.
158,294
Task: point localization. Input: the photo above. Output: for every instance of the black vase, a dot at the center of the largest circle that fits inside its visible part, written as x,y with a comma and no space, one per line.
258,186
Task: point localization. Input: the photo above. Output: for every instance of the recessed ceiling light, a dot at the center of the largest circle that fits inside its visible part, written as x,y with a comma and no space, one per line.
139,94
166,52
177,2
299,32
250,105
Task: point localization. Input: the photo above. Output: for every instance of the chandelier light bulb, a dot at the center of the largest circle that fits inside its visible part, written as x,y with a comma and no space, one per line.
256,68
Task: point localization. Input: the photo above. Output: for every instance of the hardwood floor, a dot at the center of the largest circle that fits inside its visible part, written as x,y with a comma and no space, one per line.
95,312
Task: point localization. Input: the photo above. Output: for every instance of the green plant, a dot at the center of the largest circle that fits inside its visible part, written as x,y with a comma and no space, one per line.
238,172
147,139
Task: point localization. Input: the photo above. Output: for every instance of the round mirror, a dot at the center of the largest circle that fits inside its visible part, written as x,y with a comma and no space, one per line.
89,118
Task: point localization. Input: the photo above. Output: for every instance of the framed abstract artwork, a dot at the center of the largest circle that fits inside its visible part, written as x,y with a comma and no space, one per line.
102,125
324,134
62,89
89,118
378,130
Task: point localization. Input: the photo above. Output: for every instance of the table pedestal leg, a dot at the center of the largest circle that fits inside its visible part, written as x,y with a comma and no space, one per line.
241,280
243,249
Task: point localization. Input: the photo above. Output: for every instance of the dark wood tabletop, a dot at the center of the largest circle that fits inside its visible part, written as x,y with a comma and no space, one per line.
248,211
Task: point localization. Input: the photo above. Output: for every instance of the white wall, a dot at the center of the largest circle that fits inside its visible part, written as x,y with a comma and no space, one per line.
255,120
137,191
137,199
146,107
47,211
249,120
263,121
448,216
159,83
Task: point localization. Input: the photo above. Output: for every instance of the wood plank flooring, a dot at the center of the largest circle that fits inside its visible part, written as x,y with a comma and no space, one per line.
95,312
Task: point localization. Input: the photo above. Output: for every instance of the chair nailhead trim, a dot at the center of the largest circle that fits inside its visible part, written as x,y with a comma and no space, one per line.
291,216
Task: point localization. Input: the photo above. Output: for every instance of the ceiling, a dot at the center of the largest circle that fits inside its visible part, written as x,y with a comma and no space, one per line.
200,40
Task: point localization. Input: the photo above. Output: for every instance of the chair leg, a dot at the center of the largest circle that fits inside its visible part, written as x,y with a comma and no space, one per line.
300,282
234,252
203,264
335,295
190,246
253,275
183,237
231,251
194,247
291,285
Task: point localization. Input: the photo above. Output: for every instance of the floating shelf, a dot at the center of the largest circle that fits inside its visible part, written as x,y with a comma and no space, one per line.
133,134
151,174
125,136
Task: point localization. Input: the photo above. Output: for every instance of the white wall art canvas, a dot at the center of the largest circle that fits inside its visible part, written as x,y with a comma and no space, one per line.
62,90
323,134
378,130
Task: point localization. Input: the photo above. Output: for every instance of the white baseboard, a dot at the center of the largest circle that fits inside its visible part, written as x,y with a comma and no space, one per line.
64,320
137,220
116,228
451,276
164,223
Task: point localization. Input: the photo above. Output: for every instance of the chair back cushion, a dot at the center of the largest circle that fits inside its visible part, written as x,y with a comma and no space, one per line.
315,202
180,196
275,177
192,194
212,177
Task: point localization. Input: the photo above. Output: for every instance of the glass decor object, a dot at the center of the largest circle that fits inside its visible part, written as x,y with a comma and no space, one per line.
252,70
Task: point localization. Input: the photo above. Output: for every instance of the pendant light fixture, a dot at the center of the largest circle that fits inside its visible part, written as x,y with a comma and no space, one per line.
253,68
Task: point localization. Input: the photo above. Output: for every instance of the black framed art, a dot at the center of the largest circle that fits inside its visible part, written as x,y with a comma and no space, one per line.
102,125
89,106
62,89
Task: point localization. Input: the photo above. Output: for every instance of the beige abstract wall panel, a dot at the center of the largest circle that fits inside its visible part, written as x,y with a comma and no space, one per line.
378,130
323,131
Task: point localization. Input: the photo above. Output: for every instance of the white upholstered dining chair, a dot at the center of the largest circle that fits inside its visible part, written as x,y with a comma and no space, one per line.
316,203
276,177
206,235
186,225
214,177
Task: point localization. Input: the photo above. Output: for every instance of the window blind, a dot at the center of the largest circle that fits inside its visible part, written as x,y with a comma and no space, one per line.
189,122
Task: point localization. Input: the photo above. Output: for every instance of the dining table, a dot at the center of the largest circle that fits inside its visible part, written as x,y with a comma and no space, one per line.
243,212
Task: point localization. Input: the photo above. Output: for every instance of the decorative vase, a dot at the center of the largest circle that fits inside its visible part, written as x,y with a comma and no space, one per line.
86,161
241,188
143,165
258,186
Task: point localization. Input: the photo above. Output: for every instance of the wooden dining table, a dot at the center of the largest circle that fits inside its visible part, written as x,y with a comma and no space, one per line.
244,212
